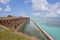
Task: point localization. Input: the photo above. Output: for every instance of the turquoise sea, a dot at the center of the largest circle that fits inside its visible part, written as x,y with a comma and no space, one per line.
50,25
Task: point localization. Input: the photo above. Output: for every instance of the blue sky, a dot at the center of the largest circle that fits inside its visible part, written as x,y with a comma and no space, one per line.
32,8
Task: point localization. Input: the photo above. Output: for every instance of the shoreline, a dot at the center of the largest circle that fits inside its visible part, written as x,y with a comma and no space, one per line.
43,31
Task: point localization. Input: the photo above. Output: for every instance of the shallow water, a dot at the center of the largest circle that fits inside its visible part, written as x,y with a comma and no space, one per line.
32,30
51,26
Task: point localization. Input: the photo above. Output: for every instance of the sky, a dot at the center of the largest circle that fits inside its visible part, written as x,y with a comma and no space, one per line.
31,8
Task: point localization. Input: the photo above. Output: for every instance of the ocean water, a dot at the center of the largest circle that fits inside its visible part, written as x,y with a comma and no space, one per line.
32,30
50,25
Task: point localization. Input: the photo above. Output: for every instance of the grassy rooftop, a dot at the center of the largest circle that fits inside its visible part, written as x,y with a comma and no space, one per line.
4,18
8,34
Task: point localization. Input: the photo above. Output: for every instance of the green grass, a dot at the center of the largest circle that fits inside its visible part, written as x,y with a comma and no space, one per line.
10,35
4,18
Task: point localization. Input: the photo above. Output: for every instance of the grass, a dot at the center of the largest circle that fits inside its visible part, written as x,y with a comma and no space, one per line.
4,18
8,34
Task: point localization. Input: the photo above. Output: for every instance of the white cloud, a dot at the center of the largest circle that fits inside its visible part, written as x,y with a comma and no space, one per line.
27,1
43,5
54,10
7,8
36,14
4,1
50,15
23,14
1,9
58,11
27,16
39,5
